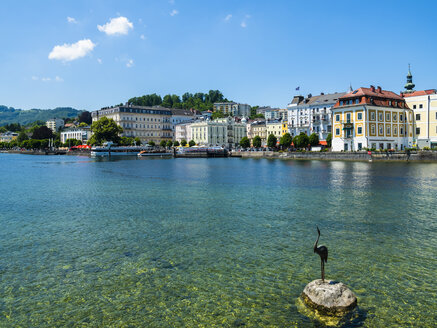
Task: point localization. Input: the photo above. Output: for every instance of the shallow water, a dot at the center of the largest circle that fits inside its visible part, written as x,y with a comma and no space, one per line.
212,242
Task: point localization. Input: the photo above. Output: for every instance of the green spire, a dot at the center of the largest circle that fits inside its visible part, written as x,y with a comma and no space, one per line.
409,87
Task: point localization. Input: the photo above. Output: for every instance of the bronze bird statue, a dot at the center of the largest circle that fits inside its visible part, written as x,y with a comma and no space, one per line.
323,253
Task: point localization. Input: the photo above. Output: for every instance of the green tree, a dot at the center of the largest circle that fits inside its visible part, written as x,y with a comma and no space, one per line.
85,117
137,141
191,143
162,143
72,142
301,141
151,143
83,124
245,142
257,141
126,141
271,141
22,136
176,143
218,114
183,142
285,140
313,139
105,129
167,101
176,101
329,139
169,143
42,132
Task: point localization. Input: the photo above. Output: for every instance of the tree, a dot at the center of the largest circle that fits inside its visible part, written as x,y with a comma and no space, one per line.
245,142
257,141
42,132
218,114
285,140
85,117
126,141
176,101
169,143
271,141
313,139
329,139
137,141
167,101
191,143
301,141
72,142
105,129
183,142
162,143
83,124
176,143
22,136
151,143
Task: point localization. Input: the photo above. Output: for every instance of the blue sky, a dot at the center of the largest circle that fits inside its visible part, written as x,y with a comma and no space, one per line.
255,52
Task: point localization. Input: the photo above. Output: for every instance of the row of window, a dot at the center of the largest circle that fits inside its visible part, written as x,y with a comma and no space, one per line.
143,126
388,116
348,133
150,134
145,119
420,106
418,130
418,116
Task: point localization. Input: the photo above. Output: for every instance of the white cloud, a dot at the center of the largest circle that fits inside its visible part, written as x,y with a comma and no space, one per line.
228,18
174,12
35,78
243,24
142,37
130,63
71,20
59,79
99,60
116,26
46,79
69,52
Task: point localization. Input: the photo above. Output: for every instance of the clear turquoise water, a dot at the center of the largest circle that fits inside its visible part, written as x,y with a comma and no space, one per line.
212,242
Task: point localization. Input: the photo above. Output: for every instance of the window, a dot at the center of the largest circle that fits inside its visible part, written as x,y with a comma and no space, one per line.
395,130
374,145
337,118
417,117
357,101
337,132
388,130
360,146
420,106
380,117
395,116
401,118
414,106
381,146
387,116
381,129
401,132
372,116
341,102
417,131
360,116
372,130
348,117
360,130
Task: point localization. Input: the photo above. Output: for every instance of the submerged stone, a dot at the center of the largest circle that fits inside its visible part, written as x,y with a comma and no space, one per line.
329,297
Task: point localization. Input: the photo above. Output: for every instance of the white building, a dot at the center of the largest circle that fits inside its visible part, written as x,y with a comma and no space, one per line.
312,114
372,118
233,108
183,132
83,134
55,124
179,116
221,132
8,136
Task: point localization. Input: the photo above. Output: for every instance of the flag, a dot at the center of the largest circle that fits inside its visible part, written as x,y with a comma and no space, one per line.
297,88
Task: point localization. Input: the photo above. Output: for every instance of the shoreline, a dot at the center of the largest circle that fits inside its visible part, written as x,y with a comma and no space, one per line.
415,156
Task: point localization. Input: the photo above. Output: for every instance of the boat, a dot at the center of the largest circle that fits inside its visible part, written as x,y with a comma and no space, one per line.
108,149
201,152
154,153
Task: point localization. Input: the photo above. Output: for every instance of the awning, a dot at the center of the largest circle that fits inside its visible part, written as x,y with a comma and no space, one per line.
323,142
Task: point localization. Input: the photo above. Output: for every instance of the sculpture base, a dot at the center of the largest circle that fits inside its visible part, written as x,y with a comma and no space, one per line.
330,297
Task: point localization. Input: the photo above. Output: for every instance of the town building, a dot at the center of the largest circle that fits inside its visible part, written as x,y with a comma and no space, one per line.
232,108
181,116
55,124
79,133
147,123
8,136
220,132
312,114
275,128
183,132
272,114
371,118
284,127
424,106
257,128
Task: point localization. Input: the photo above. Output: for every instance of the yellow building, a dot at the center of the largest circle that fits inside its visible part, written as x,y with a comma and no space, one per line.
284,127
274,128
371,118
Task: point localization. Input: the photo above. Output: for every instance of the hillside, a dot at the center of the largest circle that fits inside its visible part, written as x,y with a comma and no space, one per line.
12,115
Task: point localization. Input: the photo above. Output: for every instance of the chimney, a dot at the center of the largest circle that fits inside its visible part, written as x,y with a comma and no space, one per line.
309,95
372,88
322,93
379,89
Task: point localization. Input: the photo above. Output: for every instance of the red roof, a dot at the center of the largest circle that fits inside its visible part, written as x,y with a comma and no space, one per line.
372,96
372,92
420,93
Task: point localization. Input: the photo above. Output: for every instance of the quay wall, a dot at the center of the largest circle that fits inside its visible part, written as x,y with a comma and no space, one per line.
416,156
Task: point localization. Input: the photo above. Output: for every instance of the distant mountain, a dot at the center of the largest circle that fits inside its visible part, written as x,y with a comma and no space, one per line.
12,115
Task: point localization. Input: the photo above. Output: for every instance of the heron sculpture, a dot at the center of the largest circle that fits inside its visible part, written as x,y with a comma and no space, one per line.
323,253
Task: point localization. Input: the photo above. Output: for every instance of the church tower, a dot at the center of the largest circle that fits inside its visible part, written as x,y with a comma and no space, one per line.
409,87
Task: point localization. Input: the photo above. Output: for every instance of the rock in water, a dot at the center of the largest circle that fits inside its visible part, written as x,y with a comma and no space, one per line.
329,297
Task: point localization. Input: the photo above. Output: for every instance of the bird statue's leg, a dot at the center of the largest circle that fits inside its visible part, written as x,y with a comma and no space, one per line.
323,271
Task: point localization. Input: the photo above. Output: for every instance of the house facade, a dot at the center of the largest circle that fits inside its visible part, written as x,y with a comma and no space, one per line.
371,118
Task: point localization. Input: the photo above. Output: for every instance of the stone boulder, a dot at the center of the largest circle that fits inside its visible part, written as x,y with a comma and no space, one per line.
329,297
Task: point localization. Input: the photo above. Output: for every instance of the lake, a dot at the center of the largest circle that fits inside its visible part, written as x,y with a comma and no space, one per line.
223,242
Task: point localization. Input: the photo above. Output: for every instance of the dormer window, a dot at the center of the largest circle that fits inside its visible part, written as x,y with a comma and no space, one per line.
341,102
357,101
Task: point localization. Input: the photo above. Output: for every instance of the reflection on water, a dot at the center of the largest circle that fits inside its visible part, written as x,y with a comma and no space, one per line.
212,242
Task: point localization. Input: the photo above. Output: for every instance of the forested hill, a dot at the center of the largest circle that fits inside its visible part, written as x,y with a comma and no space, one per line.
200,101
12,115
